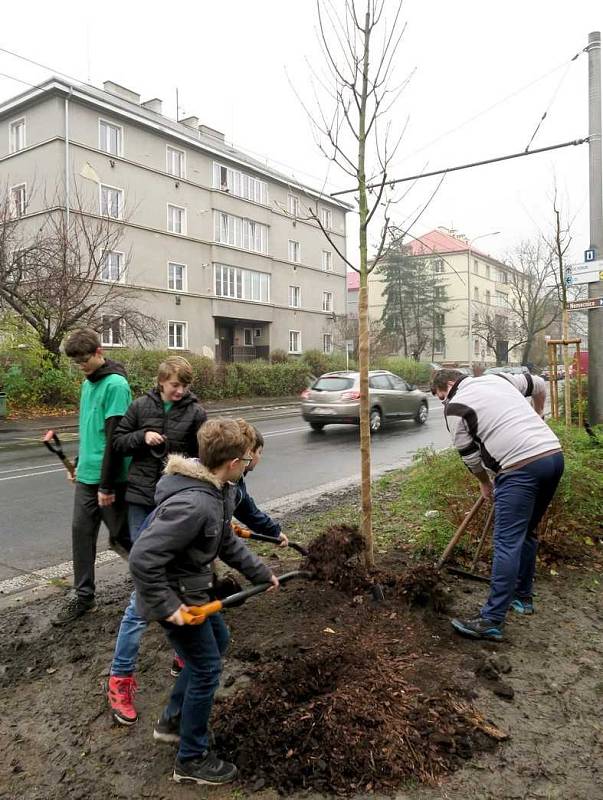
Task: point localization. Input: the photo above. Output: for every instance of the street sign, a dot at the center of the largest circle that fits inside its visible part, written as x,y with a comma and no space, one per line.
590,255
581,305
585,277
569,279
585,266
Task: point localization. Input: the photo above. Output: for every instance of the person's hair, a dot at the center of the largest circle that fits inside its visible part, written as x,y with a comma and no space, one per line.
221,440
248,432
442,377
259,439
178,366
83,342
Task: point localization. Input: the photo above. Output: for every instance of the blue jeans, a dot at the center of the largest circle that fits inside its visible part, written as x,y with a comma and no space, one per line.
521,498
132,626
201,647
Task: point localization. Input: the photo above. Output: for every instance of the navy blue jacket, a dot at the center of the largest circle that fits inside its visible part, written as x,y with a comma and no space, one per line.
250,515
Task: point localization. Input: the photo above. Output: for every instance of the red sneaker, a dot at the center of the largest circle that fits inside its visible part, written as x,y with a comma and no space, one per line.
120,694
177,666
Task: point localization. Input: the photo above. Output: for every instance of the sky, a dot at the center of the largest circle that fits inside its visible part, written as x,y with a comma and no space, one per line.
481,76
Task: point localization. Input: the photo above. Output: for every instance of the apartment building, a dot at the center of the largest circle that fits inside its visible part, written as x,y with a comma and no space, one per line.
475,283
220,247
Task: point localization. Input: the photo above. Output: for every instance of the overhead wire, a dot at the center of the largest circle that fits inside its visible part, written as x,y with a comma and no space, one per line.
552,100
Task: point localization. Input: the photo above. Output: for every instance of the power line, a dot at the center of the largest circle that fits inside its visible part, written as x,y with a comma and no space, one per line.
38,64
392,183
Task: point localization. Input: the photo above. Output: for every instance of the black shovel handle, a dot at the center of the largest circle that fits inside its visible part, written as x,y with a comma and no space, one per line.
241,597
53,443
261,537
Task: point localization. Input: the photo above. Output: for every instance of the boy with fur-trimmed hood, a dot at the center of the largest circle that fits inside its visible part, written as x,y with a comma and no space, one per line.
171,564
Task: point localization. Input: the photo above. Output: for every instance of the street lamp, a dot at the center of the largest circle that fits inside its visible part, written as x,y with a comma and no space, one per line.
469,303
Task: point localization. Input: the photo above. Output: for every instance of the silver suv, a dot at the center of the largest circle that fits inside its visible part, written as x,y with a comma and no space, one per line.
335,399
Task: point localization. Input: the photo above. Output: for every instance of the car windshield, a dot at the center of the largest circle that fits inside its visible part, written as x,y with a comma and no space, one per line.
334,383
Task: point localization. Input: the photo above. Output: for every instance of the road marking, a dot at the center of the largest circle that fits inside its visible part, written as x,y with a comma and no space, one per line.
32,474
22,469
39,576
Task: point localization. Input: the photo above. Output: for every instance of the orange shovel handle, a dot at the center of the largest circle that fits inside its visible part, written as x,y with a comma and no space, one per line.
196,615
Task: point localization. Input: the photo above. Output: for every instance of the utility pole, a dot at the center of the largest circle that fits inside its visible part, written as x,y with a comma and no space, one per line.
595,315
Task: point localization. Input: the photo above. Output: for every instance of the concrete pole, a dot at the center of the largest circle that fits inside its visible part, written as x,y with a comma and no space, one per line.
595,315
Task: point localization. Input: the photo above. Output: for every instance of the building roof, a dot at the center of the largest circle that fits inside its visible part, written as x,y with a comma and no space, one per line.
353,279
125,105
441,240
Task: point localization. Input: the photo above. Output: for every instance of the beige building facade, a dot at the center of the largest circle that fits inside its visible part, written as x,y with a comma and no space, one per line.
219,247
475,283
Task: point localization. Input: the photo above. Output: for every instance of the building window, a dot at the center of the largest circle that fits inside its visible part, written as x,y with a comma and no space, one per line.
240,184
295,341
113,332
476,347
326,218
176,219
240,232
475,267
177,335
294,251
248,337
488,271
327,343
327,301
242,284
501,300
18,200
295,297
438,265
177,276
16,135
440,320
175,161
439,345
110,138
475,293
438,292
488,298
502,276
112,267
111,202
327,261
293,205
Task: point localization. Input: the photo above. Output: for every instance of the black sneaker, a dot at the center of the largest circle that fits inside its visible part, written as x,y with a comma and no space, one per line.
167,729
208,769
478,628
74,608
177,666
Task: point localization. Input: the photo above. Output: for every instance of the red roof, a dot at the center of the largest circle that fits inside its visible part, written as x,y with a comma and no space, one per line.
440,241
353,279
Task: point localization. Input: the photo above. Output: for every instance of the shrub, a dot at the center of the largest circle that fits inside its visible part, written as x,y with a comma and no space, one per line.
279,357
412,371
320,362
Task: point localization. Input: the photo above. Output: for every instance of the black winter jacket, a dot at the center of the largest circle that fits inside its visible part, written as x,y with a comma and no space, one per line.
179,425
171,561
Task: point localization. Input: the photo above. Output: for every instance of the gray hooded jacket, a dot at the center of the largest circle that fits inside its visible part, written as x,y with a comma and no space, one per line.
171,561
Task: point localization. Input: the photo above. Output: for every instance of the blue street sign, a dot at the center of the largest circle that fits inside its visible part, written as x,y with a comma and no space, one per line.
590,255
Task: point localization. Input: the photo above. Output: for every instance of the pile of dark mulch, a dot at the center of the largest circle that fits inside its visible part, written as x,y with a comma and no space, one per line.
421,584
336,557
343,718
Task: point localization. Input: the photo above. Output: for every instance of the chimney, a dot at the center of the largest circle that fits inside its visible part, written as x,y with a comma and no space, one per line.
212,133
190,122
121,91
153,105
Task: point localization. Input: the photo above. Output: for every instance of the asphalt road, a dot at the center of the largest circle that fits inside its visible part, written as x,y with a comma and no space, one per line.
36,498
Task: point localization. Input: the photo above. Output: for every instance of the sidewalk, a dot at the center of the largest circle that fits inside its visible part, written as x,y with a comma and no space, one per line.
68,422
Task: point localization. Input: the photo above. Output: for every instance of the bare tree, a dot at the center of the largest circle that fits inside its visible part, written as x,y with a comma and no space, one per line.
359,45
58,275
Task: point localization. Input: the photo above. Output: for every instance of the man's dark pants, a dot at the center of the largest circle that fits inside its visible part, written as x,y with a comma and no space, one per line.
521,498
201,647
87,517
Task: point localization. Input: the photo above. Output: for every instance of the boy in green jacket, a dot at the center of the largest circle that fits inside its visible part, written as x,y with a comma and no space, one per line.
100,480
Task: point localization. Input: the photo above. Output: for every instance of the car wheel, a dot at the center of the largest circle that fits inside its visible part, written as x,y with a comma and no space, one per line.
317,426
375,420
421,415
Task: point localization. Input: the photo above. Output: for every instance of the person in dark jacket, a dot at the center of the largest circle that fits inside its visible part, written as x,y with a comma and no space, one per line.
172,566
246,511
164,420
100,480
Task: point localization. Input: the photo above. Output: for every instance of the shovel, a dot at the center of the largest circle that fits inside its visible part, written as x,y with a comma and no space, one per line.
244,533
196,615
53,443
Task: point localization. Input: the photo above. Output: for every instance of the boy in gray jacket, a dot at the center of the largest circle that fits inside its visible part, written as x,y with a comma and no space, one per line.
171,564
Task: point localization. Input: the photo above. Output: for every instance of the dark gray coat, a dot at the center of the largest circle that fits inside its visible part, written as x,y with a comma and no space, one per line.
179,426
171,561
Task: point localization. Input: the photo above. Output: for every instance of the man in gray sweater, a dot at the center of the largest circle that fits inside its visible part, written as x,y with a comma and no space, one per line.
497,432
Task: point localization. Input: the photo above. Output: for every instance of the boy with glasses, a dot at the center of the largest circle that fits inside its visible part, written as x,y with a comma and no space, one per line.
100,480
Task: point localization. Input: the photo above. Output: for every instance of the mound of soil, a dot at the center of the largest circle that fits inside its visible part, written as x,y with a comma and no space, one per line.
335,557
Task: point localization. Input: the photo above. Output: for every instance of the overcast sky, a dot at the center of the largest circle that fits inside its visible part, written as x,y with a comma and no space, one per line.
235,61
